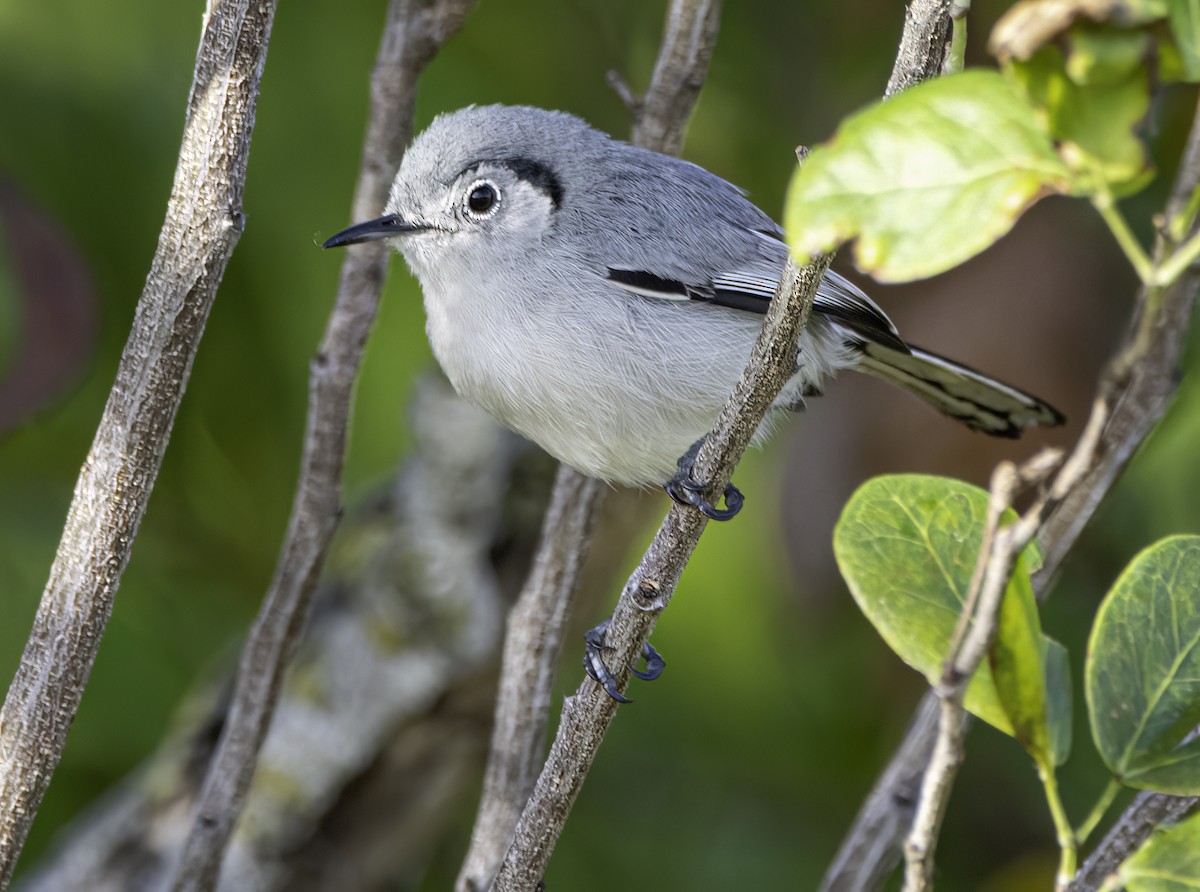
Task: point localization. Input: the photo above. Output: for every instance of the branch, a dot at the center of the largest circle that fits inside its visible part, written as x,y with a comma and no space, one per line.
976,630
414,32
1145,814
689,35
202,226
532,647
923,45
587,715
1134,391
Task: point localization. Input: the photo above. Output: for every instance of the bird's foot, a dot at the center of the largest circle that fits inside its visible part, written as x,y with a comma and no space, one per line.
593,662
684,489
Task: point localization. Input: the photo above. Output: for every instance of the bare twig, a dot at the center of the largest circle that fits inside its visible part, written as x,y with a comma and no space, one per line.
977,626
202,226
587,715
923,45
415,30
1147,812
1134,392
532,647
689,36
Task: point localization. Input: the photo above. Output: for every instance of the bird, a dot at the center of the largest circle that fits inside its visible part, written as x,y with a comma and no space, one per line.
602,299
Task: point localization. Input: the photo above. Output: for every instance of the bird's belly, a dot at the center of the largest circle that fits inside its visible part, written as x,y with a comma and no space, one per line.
622,407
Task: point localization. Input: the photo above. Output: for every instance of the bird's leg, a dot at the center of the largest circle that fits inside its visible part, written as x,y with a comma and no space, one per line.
593,662
684,489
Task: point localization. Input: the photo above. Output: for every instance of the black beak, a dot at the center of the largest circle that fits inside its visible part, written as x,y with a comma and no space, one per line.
382,227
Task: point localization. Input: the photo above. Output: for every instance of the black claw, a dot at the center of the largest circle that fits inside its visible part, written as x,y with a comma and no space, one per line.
684,489
593,662
655,664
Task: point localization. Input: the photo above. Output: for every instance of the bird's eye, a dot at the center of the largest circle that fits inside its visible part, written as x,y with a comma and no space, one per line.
482,199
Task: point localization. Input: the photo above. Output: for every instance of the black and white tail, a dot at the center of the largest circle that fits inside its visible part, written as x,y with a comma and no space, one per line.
981,403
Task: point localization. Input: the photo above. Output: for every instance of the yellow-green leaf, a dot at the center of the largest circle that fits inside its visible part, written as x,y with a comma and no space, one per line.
925,180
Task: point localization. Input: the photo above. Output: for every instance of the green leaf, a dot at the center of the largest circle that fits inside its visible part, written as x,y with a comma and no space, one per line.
1143,669
1091,100
1185,28
925,180
1169,861
1017,667
1058,699
907,547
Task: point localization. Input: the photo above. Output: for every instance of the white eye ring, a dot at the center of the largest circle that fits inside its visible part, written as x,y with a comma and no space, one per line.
482,199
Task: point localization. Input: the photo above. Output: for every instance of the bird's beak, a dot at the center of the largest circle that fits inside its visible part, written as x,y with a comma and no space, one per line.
382,227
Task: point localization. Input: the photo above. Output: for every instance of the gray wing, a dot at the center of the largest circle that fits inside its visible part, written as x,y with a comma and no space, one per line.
750,285
688,235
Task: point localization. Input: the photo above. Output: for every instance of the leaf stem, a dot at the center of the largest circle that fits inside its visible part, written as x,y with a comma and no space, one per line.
1105,205
1062,826
1181,223
1172,268
955,57
1097,813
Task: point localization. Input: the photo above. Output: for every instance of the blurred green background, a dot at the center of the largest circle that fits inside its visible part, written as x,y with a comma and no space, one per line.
742,767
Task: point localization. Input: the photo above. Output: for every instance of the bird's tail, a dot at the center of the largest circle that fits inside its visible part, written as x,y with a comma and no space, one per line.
981,403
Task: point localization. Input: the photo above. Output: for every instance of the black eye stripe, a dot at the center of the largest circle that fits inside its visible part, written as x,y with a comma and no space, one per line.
535,173
539,175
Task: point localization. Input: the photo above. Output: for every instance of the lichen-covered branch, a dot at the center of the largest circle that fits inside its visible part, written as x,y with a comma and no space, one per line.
381,726
415,30
202,226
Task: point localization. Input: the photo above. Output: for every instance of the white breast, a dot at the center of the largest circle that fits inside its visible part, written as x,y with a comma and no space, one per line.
614,385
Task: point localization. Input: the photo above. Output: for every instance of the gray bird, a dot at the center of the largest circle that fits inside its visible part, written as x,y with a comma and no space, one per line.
602,299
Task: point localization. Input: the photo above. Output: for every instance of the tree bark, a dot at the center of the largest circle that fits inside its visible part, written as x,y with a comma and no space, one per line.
202,226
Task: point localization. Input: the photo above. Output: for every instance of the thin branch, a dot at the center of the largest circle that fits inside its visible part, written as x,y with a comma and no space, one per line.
587,715
977,627
414,32
689,35
1134,392
202,226
532,646
924,45
1145,814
